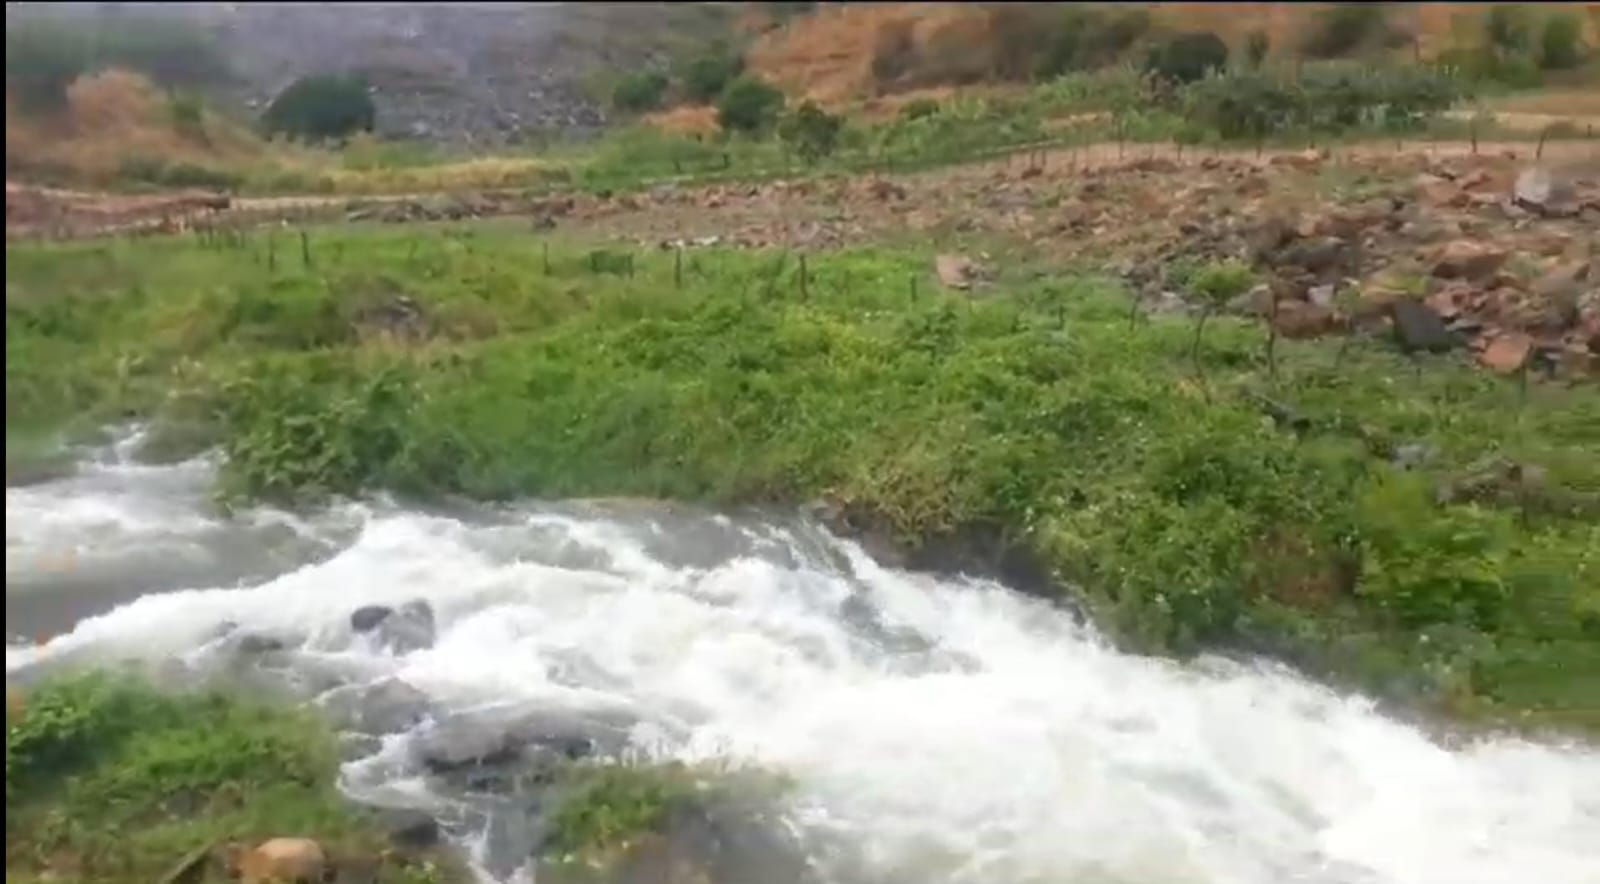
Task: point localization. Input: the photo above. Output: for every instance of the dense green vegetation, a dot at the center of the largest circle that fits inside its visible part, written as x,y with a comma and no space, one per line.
321,107
110,780
44,56
1138,462
640,91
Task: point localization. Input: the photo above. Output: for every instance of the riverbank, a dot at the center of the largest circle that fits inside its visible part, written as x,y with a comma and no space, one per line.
109,779
1414,525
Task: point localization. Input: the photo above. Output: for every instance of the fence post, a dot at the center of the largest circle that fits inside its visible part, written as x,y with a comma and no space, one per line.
305,248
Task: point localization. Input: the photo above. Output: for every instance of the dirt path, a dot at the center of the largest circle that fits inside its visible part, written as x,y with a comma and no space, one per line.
42,212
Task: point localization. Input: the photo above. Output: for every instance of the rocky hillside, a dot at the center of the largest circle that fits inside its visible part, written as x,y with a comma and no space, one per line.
471,73
846,52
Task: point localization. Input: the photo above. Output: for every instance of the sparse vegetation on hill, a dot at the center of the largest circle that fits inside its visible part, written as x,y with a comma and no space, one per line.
44,57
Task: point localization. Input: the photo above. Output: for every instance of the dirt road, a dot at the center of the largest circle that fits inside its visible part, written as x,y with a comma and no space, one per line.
42,212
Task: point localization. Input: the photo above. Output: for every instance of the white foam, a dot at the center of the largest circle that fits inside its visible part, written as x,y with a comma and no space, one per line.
1004,743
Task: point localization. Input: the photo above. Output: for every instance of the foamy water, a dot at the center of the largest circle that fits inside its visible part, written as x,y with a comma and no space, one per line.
933,730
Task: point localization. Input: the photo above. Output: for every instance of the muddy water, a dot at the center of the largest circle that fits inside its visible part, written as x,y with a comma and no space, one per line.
930,730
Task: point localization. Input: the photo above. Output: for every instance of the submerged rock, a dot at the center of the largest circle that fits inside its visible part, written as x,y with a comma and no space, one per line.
410,829
480,739
367,618
400,630
389,706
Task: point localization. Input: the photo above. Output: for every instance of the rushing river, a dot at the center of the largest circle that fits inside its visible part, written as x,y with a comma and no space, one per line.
931,730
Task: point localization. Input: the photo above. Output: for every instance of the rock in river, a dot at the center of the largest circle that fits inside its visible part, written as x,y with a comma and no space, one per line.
407,628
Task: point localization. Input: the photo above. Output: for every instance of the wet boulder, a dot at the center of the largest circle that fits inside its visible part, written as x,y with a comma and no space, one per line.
401,630
408,828
389,706
490,737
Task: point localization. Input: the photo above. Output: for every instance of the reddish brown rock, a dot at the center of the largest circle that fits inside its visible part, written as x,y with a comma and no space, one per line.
1302,319
1468,259
1507,353
283,861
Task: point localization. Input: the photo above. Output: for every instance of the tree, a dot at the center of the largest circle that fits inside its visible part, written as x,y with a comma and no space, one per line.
1216,284
1506,28
706,76
1561,42
1341,28
1088,37
321,106
812,131
639,91
748,105
1188,57
1256,47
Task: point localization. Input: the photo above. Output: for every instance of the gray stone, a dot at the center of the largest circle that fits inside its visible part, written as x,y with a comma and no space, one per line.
1316,255
400,630
408,828
367,618
1417,328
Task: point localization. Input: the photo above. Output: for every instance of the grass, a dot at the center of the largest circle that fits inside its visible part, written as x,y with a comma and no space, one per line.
1151,482
109,779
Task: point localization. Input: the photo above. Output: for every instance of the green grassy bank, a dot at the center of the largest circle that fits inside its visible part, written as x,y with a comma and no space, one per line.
1169,491
113,781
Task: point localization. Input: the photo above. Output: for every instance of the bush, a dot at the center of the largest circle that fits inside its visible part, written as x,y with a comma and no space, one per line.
640,91
919,108
1506,29
321,106
1328,96
1561,42
188,113
1089,38
1256,47
1187,57
748,105
1483,65
1243,104
179,174
1341,28
812,131
707,76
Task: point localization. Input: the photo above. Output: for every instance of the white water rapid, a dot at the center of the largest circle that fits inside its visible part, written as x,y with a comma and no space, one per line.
932,730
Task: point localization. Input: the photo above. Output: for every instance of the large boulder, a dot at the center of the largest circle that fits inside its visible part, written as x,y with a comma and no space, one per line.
1542,191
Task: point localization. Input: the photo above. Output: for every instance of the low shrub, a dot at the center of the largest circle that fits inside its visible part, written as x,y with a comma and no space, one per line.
812,132
322,106
639,91
1186,58
749,105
